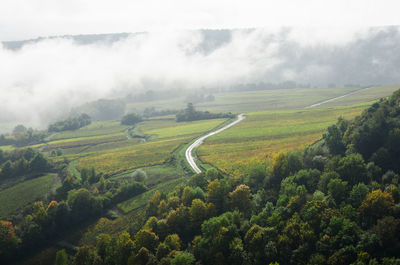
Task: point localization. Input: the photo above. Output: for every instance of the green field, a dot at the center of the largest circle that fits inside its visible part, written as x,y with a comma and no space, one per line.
262,134
155,174
250,101
168,136
6,148
170,128
119,159
97,128
23,193
366,95
141,200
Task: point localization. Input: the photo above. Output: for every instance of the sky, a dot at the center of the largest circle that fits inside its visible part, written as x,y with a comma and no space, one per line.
25,19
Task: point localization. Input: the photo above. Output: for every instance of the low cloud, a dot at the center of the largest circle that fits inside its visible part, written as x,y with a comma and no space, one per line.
44,79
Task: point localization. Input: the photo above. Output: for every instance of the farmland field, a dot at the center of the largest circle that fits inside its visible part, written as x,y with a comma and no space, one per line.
24,193
142,199
168,128
94,129
262,134
125,158
155,174
169,135
245,101
365,95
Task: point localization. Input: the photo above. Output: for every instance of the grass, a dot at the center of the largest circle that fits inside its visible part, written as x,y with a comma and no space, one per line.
23,193
84,141
278,99
250,101
170,128
366,95
113,227
7,148
169,136
97,128
155,174
120,159
112,145
142,199
73,171
246,101
263,134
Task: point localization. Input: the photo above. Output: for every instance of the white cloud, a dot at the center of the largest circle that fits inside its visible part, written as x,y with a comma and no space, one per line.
52,75
21,19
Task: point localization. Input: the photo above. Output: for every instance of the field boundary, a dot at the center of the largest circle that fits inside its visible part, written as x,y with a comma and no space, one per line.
335,98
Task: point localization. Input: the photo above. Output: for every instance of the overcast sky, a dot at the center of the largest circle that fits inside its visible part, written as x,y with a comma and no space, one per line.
23,19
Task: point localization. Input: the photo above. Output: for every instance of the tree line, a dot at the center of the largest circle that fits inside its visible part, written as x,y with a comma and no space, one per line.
23,162
72,123
190,114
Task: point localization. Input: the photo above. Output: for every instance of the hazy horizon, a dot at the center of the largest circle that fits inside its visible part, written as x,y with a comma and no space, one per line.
308,42
46,78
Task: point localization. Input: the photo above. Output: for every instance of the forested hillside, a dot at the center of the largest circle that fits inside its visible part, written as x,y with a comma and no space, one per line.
335,203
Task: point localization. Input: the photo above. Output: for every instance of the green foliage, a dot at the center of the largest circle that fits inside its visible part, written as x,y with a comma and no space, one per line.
337,188
240,198
72,123
376,205
24,193
173,242
216,194
8,240
357,194
190,114
61,258
146,239
23,162
83,204
183,258
375,133
334,141
352,168
302,212
84,256
139,175
130,119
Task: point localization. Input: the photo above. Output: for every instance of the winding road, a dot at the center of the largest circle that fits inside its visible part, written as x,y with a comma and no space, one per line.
198,142
335,98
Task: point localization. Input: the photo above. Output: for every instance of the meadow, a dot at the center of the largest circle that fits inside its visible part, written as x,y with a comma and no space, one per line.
24,193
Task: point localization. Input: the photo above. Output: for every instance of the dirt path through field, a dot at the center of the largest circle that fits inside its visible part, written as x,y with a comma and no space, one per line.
198,142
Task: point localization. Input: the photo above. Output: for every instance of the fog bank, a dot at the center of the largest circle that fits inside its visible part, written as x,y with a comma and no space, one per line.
42,79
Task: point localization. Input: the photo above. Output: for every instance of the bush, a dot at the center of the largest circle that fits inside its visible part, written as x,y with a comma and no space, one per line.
130,119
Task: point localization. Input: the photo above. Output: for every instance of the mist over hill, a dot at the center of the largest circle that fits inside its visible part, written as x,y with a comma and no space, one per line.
44,78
